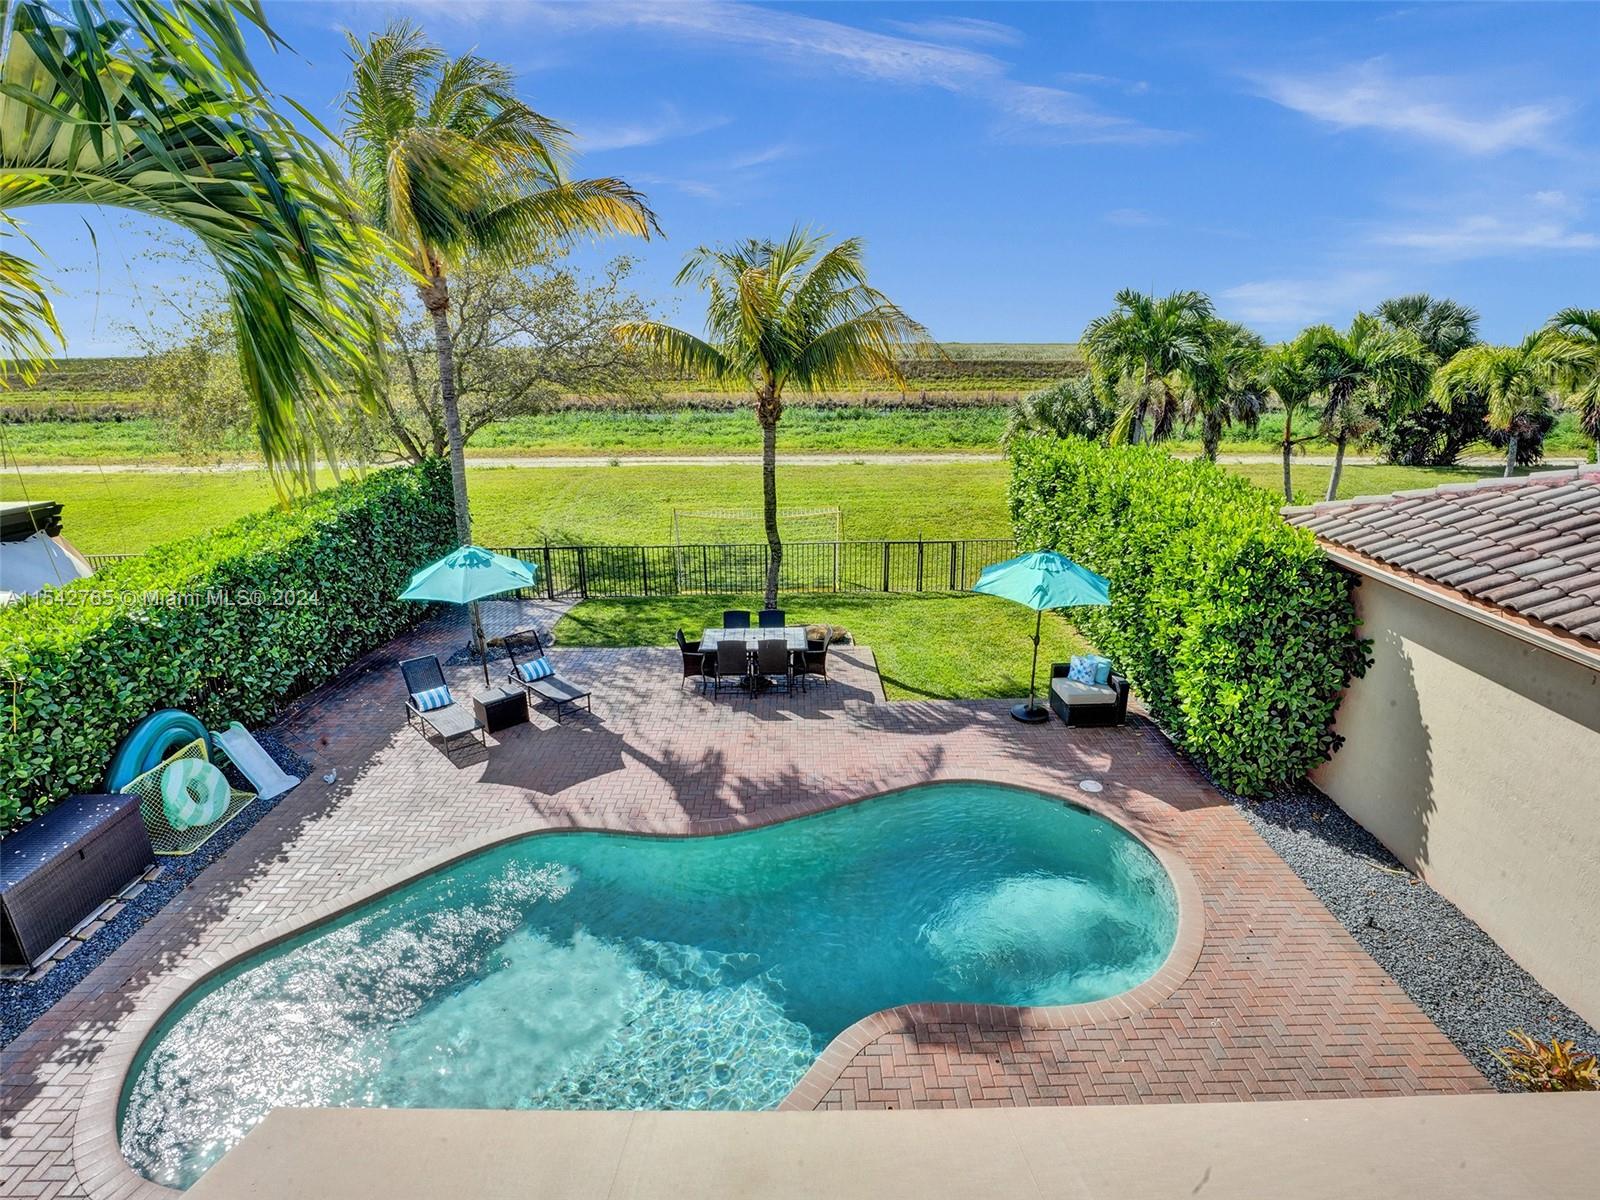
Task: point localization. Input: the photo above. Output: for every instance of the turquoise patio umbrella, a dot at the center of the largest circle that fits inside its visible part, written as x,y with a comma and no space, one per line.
466,576
1041,580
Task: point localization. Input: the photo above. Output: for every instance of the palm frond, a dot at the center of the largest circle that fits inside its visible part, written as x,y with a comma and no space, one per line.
157,109
684,351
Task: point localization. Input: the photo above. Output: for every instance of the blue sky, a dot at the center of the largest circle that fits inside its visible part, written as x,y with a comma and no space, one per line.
1012,165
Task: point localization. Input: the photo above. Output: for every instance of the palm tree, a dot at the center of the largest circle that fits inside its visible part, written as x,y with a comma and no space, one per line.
1366,369
1515,380
1146,344
449,162
1443,326
1288,375
1575,342
1226,384
157,109
792,313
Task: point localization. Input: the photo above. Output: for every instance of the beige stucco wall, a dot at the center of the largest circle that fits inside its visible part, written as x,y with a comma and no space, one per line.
1475,757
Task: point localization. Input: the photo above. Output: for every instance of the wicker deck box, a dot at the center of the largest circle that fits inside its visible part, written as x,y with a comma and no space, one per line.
60,867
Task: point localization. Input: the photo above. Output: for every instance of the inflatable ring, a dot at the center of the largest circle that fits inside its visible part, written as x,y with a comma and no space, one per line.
193,792
151,742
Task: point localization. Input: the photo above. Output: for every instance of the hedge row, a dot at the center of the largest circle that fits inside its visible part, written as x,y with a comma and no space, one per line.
228,626
1232,626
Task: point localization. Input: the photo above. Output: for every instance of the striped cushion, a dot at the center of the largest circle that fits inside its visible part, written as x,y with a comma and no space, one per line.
539,668
431,699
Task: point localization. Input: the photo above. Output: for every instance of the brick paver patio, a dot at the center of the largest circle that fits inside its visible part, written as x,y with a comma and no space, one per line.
1280,1002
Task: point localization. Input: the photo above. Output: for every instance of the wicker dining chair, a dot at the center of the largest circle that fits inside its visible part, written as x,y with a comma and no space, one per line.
735,618
770,618
773,662
733,665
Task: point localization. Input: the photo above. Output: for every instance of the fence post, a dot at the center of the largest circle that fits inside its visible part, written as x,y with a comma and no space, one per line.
919,562
644,570
705,570
583,574
549,575
953,567
885,566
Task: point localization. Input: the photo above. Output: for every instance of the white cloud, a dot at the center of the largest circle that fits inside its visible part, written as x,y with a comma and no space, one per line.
1370,95
761,157
596,137
1299,301
1486,236
972,30
810,43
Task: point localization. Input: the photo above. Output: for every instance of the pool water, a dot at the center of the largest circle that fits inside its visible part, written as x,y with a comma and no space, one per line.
581,970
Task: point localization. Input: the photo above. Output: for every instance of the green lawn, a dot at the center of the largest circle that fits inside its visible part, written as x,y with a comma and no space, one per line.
927,647
108,512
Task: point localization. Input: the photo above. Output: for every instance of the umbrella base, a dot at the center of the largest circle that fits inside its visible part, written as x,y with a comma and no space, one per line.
1030,714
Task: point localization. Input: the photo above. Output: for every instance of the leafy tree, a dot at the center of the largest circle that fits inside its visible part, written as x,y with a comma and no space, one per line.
520,339
1364,372
1147,343
158,109
1288,374
780,314
1225,385
1514,381
1429,435
1575,344
1080,407
449,162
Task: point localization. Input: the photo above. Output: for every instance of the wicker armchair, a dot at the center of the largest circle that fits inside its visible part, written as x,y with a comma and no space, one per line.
1088,703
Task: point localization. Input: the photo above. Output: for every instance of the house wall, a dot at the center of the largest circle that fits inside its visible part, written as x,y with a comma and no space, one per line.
1475,757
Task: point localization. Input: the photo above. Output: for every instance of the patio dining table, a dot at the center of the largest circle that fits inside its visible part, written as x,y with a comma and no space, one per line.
794,637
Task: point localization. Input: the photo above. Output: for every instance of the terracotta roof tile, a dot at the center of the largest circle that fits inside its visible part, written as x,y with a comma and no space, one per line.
1530,546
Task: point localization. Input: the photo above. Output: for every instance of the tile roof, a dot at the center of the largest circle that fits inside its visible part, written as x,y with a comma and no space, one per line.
1528,546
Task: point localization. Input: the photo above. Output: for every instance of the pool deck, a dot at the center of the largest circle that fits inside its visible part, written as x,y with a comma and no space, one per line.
1264,997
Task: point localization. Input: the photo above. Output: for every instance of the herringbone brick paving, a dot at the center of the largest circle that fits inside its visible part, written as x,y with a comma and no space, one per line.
1282,1003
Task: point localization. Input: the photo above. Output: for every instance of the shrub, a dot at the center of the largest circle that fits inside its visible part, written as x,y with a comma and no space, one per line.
228,626
1072,408
1554,1066
1233,627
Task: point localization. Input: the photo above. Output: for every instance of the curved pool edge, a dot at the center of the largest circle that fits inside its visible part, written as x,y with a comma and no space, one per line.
97,1151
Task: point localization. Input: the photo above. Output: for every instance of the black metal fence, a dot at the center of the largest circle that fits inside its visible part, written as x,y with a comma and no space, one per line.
581,572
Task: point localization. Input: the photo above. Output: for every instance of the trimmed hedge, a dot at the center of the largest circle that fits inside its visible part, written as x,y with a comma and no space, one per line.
228,626
1232,626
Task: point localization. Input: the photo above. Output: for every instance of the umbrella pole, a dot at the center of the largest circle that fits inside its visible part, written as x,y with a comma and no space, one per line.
482,645
1029,712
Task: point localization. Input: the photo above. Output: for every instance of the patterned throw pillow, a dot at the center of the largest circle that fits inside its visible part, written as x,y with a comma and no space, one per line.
1102,668
1081,669
431,699
539,668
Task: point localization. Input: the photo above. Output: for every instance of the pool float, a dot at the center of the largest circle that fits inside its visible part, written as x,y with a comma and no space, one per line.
151,741
193,792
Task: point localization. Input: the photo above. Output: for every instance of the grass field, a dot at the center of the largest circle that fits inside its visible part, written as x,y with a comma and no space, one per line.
108,512
927,647
833,429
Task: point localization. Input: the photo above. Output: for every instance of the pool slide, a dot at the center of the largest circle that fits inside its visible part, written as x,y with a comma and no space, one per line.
253,762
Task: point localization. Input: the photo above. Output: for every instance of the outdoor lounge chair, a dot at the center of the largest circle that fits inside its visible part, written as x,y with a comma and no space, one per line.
735,618
770,618
548,689
694,660
773,662
732,666
1088,703
452,721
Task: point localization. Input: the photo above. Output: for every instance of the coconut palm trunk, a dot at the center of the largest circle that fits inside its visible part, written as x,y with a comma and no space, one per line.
1511,454
1338,467
1288,447
769,498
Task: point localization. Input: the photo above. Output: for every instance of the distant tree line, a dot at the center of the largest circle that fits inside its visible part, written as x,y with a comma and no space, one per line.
1411,379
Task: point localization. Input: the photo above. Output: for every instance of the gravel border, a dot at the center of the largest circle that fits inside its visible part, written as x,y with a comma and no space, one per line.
1450,968
21,1003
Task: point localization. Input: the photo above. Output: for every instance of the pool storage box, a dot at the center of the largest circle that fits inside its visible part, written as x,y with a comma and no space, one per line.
59,868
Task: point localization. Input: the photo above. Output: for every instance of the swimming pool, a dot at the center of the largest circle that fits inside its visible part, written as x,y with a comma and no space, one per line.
586,970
